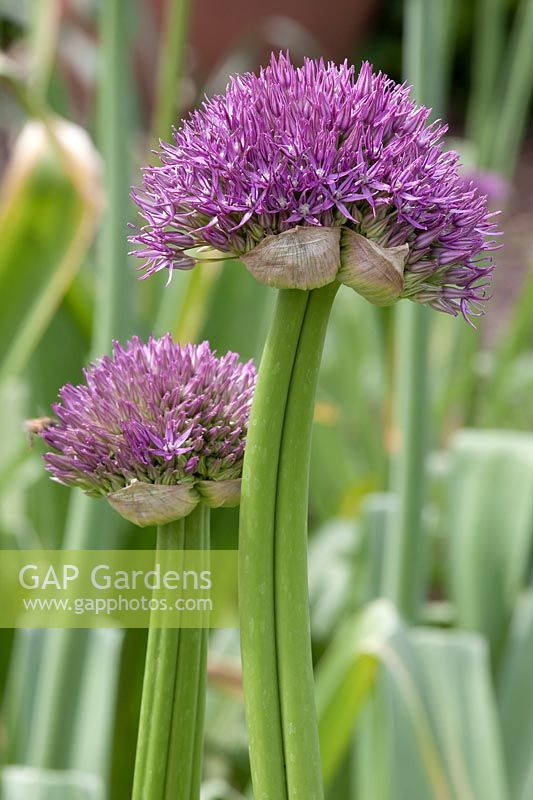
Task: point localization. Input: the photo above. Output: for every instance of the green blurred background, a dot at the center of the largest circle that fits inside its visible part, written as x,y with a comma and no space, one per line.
421,504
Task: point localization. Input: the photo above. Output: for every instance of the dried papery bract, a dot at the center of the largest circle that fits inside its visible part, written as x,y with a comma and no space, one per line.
301,258
309,258
154,504
219,494
372,271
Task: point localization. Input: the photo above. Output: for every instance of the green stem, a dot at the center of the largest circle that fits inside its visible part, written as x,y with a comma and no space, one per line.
161,302
428,50
158,690
113,288
293,636
270,528
185,750
427,26
170,67
256,548
511,115
45,19
489,34
169,747
515,343
404,557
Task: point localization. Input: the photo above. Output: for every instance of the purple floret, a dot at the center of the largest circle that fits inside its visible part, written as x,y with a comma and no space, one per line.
319,145
157,413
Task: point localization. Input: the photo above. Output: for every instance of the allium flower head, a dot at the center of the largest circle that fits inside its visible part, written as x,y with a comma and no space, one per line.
319,145
153,414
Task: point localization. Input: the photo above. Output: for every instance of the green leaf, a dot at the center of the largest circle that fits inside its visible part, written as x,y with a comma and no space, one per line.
237,311
490,527
19,697
219,790
48,221
432,730
462,707
184,302
96,712
128,706
6,648
19,467
377,512
334,585
346,564
347,452
489,32
505,127
47,502
21,783
345,675
515,685
507,397
225,728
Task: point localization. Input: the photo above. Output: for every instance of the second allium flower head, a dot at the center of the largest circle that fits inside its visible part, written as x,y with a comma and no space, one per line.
154,414
320,146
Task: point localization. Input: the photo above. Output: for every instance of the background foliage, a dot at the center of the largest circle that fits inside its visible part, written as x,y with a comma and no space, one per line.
422,606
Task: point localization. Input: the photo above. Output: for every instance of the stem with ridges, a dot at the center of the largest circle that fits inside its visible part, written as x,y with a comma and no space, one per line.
275,636
256,547
185,749
169,748
158,691
293,636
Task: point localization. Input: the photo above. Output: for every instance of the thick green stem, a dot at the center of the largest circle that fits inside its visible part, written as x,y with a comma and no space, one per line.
256,548
185,748
169,747
293,636
158,691
269,521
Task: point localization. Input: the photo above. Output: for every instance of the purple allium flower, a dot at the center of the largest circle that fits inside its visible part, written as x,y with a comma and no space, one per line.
495,187
157,413
319,145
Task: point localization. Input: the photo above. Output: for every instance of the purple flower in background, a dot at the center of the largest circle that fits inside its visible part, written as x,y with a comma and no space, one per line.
495,187
319,145
154,413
